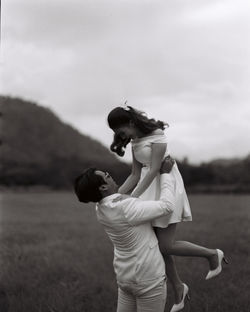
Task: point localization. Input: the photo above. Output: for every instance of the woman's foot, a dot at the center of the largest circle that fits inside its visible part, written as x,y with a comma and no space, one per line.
181,294
178,293
213,260
215,264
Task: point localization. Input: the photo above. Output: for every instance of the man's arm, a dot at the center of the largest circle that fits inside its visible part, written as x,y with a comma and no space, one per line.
137,211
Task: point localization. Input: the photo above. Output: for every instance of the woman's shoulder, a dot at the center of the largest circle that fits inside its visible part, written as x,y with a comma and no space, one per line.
158,132
156,136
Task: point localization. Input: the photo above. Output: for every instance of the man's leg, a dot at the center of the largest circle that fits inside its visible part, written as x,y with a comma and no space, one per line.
126,302
153,300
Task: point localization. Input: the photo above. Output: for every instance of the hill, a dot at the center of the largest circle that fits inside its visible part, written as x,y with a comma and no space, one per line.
38,148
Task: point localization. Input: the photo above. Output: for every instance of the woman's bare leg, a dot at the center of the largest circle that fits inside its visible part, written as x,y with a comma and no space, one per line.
168,246
173,277
171,270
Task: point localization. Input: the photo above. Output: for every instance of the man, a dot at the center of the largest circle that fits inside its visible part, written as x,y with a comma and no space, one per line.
138,263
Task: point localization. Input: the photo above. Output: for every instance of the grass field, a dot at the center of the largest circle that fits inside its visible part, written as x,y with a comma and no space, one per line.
55,257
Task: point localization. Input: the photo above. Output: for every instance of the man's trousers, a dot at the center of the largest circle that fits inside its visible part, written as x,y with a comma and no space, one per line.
142,298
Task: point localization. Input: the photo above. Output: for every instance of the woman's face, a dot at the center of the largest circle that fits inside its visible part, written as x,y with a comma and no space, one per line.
128,130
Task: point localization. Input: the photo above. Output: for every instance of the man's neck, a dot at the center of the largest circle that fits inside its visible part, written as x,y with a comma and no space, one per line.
108,193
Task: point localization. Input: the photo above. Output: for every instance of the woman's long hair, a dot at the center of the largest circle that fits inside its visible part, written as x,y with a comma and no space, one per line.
120,116
120,142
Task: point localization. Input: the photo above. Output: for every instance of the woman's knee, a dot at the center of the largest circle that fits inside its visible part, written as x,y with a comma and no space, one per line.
165,248
166,238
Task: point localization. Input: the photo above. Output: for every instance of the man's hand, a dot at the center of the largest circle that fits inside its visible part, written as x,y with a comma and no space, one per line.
167,165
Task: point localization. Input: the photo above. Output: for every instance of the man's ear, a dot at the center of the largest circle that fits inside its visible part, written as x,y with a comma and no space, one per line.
103,187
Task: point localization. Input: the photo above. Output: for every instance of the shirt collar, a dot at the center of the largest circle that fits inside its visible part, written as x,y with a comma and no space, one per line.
107,199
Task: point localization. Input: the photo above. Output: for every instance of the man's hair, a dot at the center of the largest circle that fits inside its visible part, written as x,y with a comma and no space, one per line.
87,185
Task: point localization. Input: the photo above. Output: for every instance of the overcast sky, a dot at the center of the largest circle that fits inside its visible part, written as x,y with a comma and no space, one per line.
186,62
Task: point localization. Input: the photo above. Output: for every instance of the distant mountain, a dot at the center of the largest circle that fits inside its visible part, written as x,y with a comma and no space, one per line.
38,148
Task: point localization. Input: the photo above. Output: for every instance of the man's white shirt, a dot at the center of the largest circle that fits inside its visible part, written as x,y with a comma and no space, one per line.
127,221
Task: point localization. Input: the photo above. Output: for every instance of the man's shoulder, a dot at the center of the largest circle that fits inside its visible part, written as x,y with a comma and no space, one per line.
119,201
114,210
121,197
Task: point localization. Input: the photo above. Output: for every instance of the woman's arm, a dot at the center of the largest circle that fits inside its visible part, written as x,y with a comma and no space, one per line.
158,152
133,178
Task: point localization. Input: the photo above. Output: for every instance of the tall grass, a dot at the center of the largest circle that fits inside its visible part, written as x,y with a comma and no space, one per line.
55,257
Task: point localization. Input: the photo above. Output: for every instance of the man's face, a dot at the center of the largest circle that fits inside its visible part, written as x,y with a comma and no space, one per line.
110,183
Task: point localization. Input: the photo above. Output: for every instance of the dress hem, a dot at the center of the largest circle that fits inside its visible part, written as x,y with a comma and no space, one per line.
187,219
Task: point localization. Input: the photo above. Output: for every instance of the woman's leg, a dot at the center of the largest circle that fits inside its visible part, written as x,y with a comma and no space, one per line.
171,270
168,246
174,277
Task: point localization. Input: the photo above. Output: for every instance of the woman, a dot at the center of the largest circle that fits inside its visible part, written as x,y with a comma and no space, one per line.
149,148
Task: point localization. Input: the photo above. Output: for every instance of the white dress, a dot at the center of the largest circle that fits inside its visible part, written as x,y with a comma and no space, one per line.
142,148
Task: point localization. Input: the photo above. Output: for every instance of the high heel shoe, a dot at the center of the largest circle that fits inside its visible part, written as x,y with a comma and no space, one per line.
215,272
180,306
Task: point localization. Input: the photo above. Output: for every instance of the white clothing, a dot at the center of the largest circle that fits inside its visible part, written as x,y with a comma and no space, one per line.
142,148
130,298
137,258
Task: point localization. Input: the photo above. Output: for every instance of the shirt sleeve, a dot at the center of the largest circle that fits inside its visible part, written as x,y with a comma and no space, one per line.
138,211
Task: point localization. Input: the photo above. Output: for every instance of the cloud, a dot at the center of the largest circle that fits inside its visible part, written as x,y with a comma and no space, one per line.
216,11
188,61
